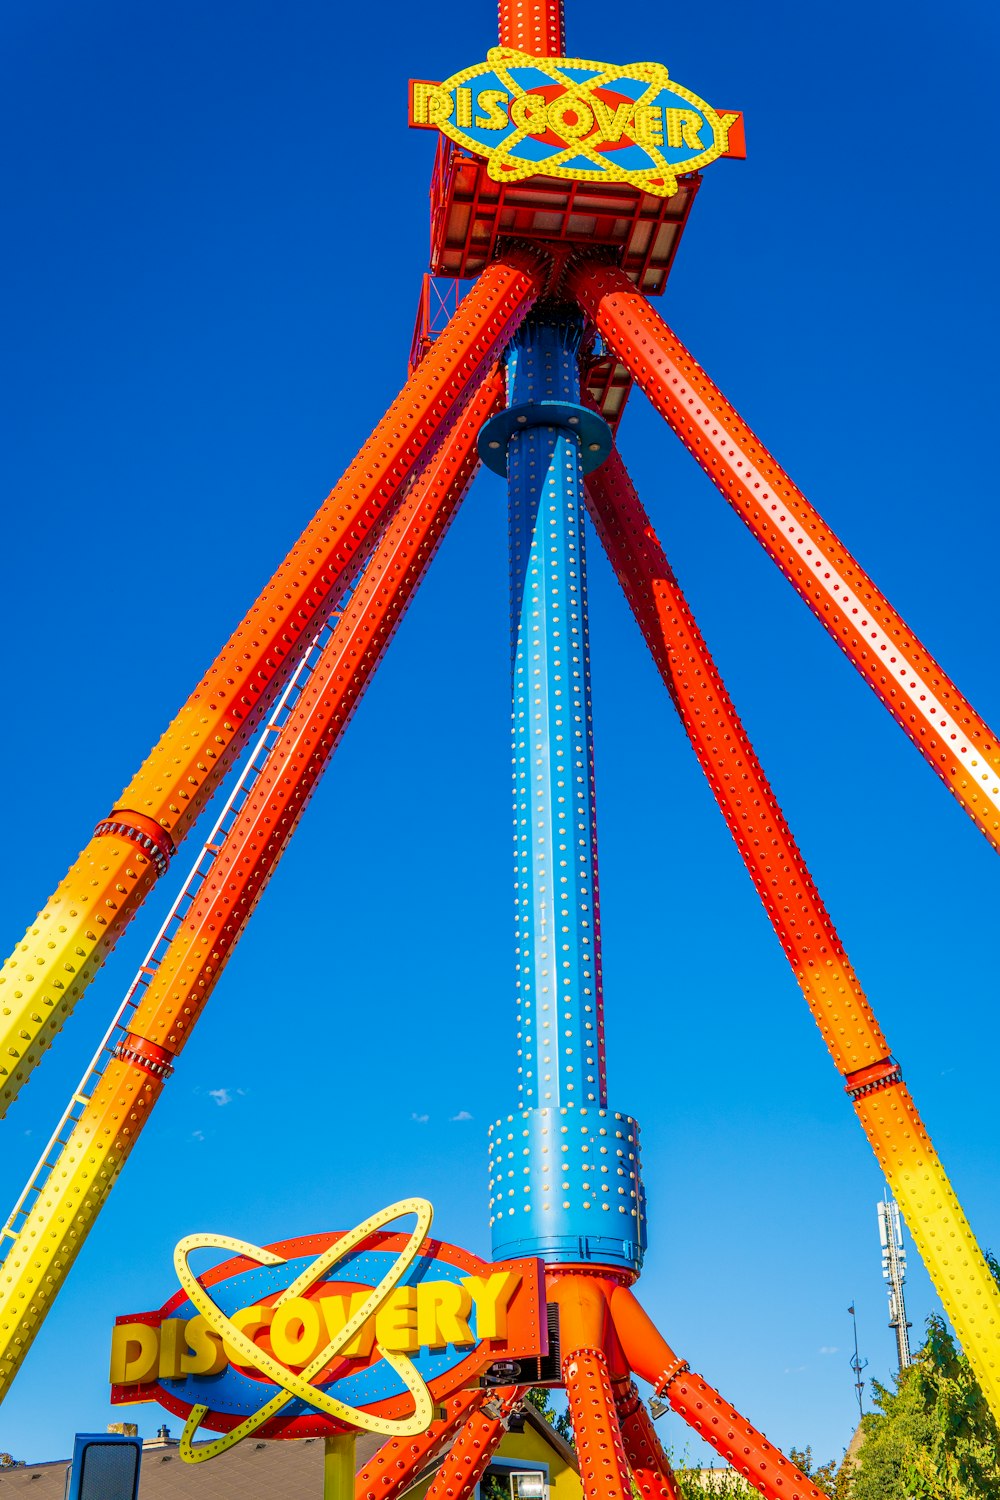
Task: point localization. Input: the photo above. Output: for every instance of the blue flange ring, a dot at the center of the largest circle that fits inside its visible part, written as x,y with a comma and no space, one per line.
596,438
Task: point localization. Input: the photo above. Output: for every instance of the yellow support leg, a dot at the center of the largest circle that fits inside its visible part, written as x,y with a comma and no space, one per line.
76,1187
338,1467
939,1228
57,1227
62,951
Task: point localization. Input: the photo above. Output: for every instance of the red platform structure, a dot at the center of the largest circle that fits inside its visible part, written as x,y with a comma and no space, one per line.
558,259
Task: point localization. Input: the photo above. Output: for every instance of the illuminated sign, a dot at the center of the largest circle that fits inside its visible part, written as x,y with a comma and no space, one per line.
371,1329
587,121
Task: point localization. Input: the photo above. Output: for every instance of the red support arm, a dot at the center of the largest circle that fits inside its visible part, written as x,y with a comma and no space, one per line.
475,1445
651,1471
217,917
874,1083
400,1461
83,920
256,661
927,705
701,1406
742,790
122,1101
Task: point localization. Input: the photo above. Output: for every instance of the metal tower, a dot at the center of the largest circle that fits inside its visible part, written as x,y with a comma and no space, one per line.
890,1232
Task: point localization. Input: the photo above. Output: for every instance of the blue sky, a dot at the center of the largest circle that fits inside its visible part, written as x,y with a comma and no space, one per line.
215,232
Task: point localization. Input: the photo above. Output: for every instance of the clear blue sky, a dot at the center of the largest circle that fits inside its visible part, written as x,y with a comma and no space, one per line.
208,304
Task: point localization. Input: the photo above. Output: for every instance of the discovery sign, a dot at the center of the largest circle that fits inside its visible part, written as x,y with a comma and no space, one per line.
588,121
329,1333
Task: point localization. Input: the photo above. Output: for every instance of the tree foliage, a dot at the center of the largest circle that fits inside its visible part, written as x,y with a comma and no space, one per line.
714,1484
824,1475
540,1398
933,1437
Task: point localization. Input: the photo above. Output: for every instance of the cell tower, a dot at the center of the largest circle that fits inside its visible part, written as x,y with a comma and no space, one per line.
890,1232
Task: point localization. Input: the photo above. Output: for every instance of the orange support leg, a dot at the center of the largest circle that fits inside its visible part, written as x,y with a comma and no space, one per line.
399,1462
812,945
651,1471
475,1445
88,1165
704,1410
70,939
925,703
604,1473
725,754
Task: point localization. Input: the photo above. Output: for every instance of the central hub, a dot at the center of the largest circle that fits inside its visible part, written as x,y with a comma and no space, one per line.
565,1180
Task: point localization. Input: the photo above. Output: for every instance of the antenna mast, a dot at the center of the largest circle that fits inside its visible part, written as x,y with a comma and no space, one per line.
858,1365
890,1230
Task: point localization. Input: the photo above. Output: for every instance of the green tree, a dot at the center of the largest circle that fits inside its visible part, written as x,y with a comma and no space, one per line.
726,1484
824,1475
715,1484
540,1398
933,1437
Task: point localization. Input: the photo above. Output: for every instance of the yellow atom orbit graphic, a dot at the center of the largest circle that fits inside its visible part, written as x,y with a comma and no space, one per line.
301,1386
505,168
660,179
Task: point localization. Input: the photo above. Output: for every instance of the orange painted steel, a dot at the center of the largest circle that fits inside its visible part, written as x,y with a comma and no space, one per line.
400,1461
73,934
475,1445
945,728
583,1297
535,26
737,1441
704,1410
591,1360
64,948
651,1471
812,945
738,782
121,1103
604,1472
268,818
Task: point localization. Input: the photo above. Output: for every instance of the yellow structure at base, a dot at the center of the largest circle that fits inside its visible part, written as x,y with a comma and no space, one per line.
338,1467
57,1226
939,1228
63,949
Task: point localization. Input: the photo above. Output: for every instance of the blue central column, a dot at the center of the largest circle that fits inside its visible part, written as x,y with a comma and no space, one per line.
564,1168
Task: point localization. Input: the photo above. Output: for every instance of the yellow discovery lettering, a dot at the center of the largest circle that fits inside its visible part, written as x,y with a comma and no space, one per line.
573,116
576,119
431,1315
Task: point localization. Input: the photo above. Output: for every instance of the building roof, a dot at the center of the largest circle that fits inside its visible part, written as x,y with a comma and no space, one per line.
270,1471
251,1471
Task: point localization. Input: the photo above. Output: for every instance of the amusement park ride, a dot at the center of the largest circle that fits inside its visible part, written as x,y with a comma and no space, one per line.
562,187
